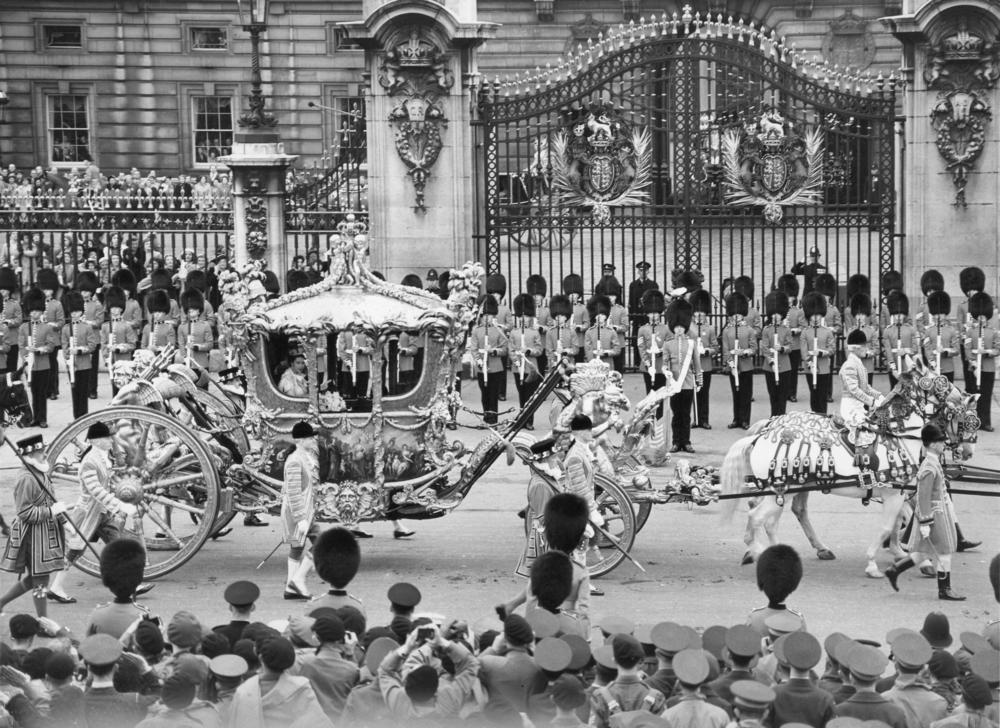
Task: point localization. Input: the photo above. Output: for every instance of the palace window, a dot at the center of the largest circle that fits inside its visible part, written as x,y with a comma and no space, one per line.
68,128
209,38
212,128
63,36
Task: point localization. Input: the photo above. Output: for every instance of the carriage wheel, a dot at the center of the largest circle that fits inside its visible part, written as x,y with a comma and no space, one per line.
157,464
642,511
616,507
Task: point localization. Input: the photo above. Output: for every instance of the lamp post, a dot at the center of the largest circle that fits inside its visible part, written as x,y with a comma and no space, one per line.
253,18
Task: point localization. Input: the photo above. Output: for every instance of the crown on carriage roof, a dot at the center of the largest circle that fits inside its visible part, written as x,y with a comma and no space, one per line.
589,376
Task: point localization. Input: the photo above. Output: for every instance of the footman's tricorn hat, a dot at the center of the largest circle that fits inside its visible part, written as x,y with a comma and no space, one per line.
303,430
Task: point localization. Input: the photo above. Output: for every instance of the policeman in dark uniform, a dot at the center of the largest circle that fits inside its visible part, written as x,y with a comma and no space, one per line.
809,270
636,289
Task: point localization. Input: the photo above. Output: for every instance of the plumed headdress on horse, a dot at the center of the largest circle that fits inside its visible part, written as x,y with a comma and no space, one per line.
938,303
192,298
496,283
789,284
892,280
896,303
981,305
87,281
8,281
776,302
598,306
565,518
931,280
536,285
826,284
813,304
679,313
737,304
652,301
560,305
779,571
123,563
524,305
572,284
701,301
337,556
857,285
34,300
861,305
125,280
971,279
744,285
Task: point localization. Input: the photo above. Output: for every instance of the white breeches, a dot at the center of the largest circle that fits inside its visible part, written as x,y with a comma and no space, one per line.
853,412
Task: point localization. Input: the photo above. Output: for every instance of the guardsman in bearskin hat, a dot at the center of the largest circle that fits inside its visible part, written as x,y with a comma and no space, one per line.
158,333
298,509
941,341
36,340
779,572
898,337
197,280
560,339
12,319
79,340
775,343
526,350
93,314
488,344
194,336
600,341
796,322
496,286
819,345
930,281
118,337
680,358
972,280
48,283
537,288
650,339
861,320
636,313
982,342
891,281
707,339
744,285
160,280
857,285
572,286
123,565
826,285
617,317
354,350
132,313
739,343
338,558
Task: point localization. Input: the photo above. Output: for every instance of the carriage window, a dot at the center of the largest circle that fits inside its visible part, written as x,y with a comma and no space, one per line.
404,362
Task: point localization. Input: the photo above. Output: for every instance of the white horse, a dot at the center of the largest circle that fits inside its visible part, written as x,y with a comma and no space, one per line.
811,450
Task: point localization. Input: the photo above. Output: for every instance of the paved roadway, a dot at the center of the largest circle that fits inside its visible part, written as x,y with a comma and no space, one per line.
463,563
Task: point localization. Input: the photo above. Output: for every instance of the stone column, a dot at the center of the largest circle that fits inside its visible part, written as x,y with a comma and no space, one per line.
951,188
421,65
258,165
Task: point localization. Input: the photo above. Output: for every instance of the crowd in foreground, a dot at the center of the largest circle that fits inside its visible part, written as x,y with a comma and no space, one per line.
336,663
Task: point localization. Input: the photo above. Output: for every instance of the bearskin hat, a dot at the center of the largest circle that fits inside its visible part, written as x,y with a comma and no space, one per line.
653,301
34,300
608,286
443,279
488,305
551,579
938,303
271,283
598,306
897,303
87,281
744,285
813,304
679,313
8,281
981,305
296,279
972,279
158,301
160,280
192,298
701,301
572,284
931,280
892,280
858,284
690,280
196,279
536,285
789,284
826,284
776,302
124,279
73,301
337,557
861,305
565,518
114,297
47,280
559,305
412,280
123,564
524,305
496,283
779,571
737,304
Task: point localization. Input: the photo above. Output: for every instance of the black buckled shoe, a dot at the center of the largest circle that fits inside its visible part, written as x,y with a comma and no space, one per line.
59,598
252,519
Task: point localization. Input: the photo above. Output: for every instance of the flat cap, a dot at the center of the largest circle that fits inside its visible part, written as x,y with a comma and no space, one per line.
613,624
605,657
783,623
671,638
896,632
742,641
713,640
404,594
691,666
831,642
911,650
553,654
865,662
752,694
644,633
802,650
230,666
986,664
973,642
100,649
580,649
377,651
241,593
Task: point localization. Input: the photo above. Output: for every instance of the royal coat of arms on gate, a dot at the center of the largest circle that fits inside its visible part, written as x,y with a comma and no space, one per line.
768,164
602,161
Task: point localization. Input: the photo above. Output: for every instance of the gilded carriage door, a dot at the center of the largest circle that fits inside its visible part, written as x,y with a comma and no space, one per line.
691,145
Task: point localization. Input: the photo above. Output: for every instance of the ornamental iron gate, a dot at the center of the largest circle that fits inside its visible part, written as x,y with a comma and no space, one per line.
690,144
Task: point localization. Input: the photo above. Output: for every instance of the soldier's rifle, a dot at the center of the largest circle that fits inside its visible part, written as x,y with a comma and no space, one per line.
734,363
979,357
71,358
814,357
775,366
